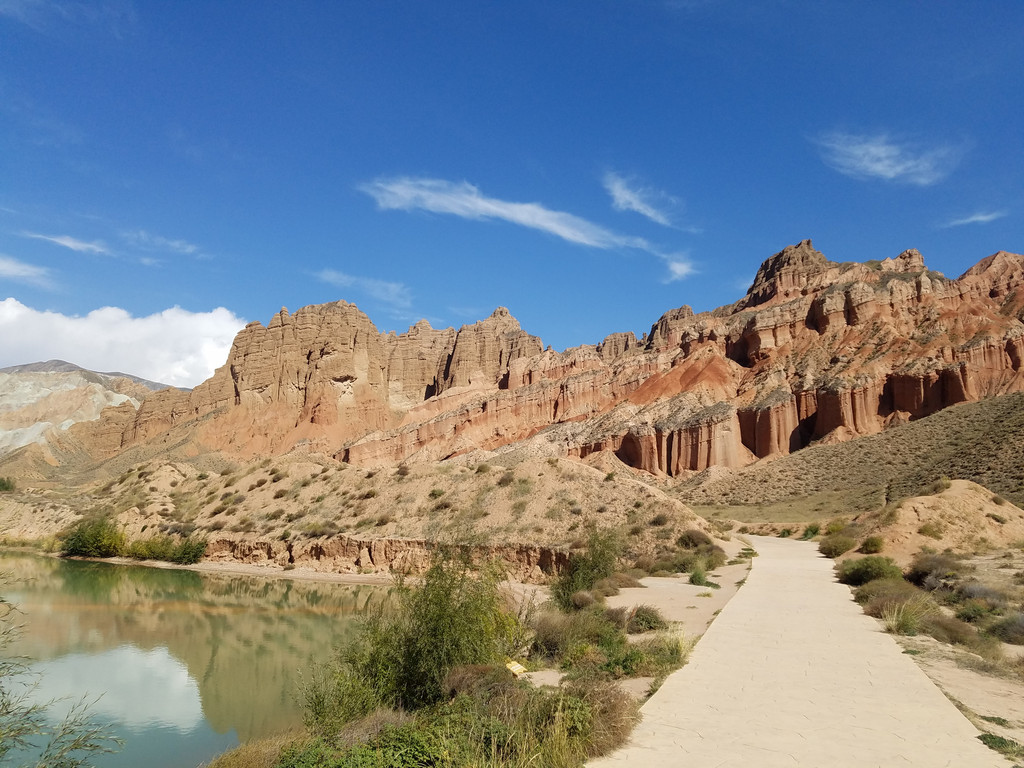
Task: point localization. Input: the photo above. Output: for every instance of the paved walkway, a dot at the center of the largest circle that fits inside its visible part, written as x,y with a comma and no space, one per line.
792,673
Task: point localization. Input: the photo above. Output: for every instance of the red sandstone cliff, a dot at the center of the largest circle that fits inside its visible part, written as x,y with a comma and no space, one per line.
815,350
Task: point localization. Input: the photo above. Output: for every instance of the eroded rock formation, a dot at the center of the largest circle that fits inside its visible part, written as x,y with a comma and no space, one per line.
815,350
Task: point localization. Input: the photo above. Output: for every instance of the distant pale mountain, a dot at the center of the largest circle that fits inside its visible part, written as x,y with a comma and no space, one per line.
62,366
39,398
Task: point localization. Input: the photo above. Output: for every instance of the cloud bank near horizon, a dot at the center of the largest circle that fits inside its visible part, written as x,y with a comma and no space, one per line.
174,346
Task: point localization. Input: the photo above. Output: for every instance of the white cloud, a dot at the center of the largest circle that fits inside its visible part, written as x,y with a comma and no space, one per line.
66,241
864,156
20,272
977,218
395,294
463,199
679,267
637,199
140,238
174,346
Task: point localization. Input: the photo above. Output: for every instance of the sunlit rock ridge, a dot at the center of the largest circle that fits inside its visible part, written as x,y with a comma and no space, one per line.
815,350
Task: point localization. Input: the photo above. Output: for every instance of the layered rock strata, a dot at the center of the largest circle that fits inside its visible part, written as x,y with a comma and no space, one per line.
814,350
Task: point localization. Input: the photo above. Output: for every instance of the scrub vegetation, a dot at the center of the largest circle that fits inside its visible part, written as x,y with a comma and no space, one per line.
425,681
101,537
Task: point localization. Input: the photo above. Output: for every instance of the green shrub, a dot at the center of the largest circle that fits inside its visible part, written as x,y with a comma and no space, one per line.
645,618
859,572
585,569
836,544
932,529
872,545
700,579
96,537
812,530
401,656
972,610
7,484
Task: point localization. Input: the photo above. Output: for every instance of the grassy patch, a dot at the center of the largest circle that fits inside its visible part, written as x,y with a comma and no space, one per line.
1004,746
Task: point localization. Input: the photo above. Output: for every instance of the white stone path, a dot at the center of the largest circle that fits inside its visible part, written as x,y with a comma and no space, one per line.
792,673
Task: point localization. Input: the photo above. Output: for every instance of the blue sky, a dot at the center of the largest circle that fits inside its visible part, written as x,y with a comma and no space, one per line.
170,171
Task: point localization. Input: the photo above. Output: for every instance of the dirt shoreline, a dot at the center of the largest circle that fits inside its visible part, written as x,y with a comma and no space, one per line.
268,571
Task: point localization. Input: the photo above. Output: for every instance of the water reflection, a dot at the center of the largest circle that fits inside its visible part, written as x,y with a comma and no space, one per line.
178,652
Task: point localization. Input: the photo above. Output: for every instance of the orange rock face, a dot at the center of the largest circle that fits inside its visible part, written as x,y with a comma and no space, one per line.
815,350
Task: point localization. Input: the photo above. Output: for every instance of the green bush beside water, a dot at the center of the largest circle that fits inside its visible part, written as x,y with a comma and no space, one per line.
101,537
97,537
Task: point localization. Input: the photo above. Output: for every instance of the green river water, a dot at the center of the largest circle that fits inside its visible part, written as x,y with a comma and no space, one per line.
185,664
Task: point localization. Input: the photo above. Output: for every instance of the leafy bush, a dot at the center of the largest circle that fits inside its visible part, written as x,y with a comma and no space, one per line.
401,657
973,610
859,572
932,529
645,618
836,544
167,548
7,484
585,569
95,537
872,545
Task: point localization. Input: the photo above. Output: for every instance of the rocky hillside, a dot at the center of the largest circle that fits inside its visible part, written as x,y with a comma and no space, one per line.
815,351
39,398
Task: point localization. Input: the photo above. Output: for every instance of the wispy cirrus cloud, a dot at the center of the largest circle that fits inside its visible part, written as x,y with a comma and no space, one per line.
878,156
627,196
73,243
140,238
396,295
466,201
20,272
976,218
45,16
